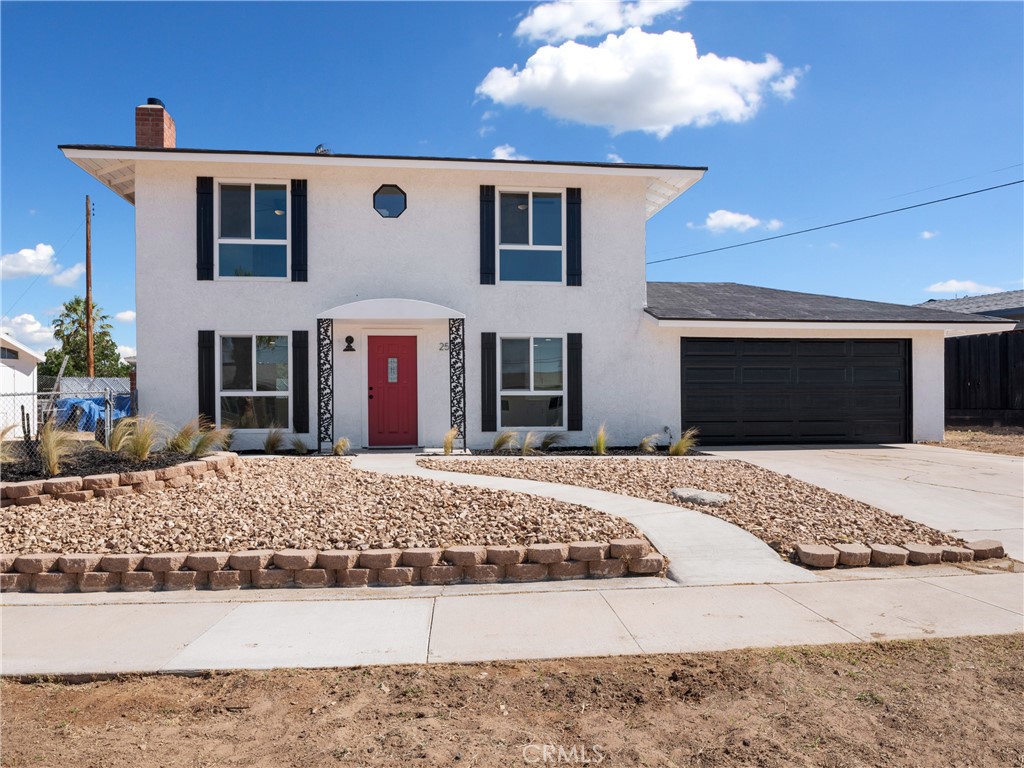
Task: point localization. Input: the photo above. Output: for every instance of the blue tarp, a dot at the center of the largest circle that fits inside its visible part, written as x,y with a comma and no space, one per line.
92,409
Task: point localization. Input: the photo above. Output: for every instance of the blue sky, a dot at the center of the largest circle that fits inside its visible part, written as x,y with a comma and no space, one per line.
805,113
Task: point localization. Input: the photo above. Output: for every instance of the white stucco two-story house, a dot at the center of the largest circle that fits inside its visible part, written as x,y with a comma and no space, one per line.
387,299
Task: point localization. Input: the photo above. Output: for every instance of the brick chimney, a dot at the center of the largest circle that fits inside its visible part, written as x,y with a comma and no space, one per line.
154,126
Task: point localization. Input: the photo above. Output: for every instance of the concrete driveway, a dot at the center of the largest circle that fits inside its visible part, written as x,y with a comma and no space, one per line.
970,494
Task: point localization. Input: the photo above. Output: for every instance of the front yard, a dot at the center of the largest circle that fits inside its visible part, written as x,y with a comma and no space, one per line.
776,508
309,502
1005,440
925,703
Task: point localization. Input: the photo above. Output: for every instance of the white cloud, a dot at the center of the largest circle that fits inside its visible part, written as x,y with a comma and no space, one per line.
29,331
28,262
485,129
568,19
507,152
927,235
723,221
614,158
639,81
128,316
36,262
68,277
125,351
961,286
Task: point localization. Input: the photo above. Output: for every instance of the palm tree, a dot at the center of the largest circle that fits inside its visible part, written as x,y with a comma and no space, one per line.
71,322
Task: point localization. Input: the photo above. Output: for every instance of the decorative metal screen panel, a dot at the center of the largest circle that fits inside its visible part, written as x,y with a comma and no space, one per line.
457,367
325,379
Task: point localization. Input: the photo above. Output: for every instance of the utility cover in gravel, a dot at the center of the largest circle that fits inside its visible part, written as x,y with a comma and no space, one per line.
776,508
310,502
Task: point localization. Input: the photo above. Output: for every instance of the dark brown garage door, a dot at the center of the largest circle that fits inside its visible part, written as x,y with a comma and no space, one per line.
797,390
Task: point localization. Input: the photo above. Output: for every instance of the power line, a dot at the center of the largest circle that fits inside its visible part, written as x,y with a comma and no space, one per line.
8,310
957,181
837,224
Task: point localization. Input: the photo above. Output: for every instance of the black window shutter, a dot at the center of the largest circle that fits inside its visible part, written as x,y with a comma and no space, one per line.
207,376
300,381
489,382
486,235
204,228
574,381
299,239
573,237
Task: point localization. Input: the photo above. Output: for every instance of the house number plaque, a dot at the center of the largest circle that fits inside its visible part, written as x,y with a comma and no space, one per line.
392,370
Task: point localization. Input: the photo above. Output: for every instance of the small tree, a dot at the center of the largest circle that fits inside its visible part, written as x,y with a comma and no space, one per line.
69,330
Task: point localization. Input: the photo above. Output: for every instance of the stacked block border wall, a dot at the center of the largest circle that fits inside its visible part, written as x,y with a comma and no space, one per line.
107,486
310,568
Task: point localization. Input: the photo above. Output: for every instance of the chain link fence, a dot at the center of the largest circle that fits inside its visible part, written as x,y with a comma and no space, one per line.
87,415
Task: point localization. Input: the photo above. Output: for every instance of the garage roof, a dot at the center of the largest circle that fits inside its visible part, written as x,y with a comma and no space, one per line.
733,301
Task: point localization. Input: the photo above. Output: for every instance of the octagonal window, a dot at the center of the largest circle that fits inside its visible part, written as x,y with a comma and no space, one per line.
389,201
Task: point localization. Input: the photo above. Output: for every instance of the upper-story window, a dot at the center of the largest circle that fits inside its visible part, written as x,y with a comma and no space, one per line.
252,230
531,228
8,354
389,201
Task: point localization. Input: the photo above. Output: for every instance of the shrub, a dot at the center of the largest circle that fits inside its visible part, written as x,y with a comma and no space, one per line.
529,444
6,454
552,439
272,442
55,445
685,443
299,446
182,440
600,444
449,440
506,441
211,439
341,446
120,433
649,444
143,432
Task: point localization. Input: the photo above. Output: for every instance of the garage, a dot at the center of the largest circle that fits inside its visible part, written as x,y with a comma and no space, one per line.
763,391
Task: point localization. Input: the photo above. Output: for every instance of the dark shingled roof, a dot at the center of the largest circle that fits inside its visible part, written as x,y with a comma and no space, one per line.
992,302
732,301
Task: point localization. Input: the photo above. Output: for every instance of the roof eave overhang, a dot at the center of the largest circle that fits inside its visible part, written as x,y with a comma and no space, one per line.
950,328
115,168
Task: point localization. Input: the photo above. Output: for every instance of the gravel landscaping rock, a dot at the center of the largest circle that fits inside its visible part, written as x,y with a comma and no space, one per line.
302,503
776,508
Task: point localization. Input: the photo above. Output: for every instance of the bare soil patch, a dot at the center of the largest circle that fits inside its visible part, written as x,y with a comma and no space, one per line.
778,509
924,703
309,502
1004,440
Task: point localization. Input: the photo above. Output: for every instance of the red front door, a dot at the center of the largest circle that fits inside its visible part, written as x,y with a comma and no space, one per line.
392,390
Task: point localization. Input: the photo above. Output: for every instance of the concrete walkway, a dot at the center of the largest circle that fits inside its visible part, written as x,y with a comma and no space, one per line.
703,550
101,633
969,494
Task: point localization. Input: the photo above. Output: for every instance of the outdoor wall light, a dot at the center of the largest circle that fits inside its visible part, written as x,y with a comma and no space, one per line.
348,344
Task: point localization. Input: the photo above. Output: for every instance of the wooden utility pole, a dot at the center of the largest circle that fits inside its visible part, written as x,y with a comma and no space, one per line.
90,363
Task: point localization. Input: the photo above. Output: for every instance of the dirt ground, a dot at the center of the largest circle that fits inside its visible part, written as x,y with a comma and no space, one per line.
924,703
1005,440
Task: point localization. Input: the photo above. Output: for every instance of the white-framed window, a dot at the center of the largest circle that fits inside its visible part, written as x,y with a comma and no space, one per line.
252,220
254,381
531,382
531,236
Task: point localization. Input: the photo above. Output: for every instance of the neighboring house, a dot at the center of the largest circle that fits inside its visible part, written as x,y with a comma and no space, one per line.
985,374
1006,304
387,299
18,383
18,369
